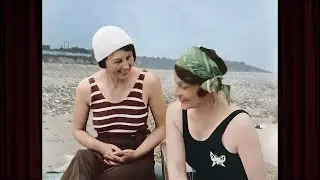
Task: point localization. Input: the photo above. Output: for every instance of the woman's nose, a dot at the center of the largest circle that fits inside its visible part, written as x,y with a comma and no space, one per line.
125,65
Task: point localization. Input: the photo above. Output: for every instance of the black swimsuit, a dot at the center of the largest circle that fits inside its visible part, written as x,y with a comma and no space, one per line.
209,158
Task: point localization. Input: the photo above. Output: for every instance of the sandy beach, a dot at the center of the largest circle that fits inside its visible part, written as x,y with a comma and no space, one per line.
254,92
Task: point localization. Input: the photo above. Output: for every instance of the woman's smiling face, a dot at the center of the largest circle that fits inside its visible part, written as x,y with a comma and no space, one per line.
186,93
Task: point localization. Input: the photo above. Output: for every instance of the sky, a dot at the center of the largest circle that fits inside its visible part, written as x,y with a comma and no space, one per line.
238,30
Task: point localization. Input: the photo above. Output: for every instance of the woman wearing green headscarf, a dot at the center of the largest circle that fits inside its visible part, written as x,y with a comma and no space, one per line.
216,138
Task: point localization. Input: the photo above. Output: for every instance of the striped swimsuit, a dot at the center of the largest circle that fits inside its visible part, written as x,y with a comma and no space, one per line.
122,124
126,117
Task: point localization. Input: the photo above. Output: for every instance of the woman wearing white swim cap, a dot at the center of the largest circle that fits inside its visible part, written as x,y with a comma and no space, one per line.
119,96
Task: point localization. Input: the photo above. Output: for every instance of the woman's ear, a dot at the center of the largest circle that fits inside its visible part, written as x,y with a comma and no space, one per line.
201,92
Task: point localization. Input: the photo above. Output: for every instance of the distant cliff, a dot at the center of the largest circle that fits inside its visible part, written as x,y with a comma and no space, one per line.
163,63
144,62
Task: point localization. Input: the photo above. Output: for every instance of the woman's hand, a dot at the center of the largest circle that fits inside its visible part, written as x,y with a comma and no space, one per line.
108,152
126,155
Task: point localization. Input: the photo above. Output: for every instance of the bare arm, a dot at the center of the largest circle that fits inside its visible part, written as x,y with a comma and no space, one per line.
249,148
80,117
158,109
175,145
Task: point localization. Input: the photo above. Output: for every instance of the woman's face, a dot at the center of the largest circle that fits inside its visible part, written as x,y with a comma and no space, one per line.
187,94
120,63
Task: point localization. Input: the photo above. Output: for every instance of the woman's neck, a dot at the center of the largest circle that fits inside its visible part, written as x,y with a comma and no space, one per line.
114,82
212,104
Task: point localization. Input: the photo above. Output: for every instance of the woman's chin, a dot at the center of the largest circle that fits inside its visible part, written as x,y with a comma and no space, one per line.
185,106
124,75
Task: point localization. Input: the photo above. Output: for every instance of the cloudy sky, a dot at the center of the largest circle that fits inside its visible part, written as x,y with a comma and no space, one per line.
245,30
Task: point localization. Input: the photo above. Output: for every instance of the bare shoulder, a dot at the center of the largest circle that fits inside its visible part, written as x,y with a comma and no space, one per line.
84,85
242,120
174,107
83,90
174,114
151,78
242,126
152,84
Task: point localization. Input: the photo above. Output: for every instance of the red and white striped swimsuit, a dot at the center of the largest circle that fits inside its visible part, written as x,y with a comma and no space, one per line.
125,117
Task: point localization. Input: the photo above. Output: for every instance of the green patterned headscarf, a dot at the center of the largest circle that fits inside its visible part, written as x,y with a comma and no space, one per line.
199,63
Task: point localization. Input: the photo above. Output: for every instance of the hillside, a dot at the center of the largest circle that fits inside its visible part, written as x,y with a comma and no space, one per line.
163,63
146,62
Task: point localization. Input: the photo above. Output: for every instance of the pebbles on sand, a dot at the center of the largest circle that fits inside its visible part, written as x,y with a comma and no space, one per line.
254,92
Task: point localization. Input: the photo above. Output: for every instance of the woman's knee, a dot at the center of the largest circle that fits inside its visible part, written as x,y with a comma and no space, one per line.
85,154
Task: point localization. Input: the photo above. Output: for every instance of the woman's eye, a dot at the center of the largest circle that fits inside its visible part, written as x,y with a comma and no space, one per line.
128,57
184,86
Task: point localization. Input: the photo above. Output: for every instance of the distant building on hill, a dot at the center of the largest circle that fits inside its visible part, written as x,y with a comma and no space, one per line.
74,51
45,47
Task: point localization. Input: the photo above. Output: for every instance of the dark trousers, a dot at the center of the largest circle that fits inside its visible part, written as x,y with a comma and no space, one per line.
89,165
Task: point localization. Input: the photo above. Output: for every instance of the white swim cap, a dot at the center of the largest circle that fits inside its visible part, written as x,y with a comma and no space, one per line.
107,40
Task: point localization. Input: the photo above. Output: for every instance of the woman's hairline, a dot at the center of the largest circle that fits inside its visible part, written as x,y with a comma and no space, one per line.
103,61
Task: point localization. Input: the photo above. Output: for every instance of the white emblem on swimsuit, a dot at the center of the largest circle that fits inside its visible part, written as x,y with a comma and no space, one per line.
217,160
